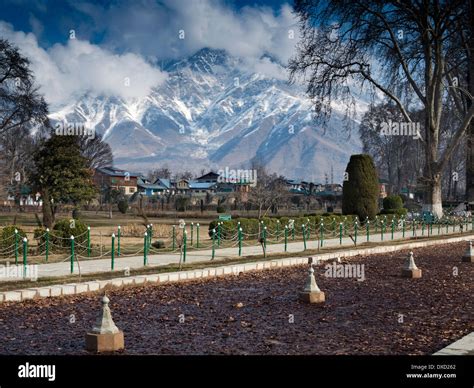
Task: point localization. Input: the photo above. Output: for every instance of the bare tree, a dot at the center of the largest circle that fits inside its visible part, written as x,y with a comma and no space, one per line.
402,49
96,151
20,102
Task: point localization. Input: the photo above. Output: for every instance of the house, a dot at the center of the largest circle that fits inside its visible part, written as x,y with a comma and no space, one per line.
210,177
115,178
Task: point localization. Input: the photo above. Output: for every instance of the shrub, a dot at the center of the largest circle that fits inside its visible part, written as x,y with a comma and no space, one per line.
76,213
123,206
361,189
158,244
7,240
250,225
64,229
220,209
402,212
392,202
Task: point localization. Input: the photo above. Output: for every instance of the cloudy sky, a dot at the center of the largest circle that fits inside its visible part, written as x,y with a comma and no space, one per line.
93,46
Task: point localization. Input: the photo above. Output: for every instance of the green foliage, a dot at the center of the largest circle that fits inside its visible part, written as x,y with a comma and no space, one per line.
392,202
60,167
64,229
7,239
361,190
220,209
76,213
398,212
123,206
250,225
158,244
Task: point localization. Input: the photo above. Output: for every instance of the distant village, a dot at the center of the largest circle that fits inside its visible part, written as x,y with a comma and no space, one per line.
211,188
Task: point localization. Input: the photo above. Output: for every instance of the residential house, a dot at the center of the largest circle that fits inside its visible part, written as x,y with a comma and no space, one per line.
115,178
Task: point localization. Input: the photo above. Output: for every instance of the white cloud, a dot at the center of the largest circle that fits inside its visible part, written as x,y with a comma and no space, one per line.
152,29
66,72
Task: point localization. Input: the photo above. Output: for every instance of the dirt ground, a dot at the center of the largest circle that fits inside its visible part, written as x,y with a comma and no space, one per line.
259,312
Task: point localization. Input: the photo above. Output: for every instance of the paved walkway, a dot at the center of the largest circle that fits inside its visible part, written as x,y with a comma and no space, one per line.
124,263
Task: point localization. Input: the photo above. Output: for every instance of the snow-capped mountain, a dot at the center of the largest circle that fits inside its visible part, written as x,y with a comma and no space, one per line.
213,113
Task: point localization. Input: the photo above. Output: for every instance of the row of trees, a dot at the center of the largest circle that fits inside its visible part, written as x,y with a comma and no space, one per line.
417,55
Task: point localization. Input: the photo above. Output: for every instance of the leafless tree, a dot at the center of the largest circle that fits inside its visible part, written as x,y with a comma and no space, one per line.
96,151
402,49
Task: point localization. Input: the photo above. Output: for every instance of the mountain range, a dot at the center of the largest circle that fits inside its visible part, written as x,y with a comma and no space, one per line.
213,112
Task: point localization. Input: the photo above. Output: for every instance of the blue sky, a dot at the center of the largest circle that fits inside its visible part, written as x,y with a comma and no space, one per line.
119,39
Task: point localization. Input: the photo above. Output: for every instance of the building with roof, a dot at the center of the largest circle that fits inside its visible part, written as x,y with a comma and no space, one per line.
118,179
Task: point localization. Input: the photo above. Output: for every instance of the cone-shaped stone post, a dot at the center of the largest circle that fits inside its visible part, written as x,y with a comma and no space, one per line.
105,336
469,254
410,270
311,292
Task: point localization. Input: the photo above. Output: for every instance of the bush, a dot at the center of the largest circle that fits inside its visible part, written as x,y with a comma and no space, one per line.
392,202
220,209
361,189
123,206
64,229
402,212
158,244
76,214
250,225
7,239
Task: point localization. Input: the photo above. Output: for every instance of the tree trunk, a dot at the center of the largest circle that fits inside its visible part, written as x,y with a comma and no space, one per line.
48,216
433,201
470,132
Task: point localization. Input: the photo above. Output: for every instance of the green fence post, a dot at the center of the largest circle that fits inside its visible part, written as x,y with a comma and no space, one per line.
321,231
16,246
345,226
286,237
355,233
439,227
423,228
340,233
293,232
88,241
145,248
382,230
112,253
264,241
174,238
119,229
240,239
213,243
25,252
72,254
454,226
151,233
47,244
192,233
367,228
185,238
218,234
334,227
304,236
393,226
376,224
278,231
197,235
